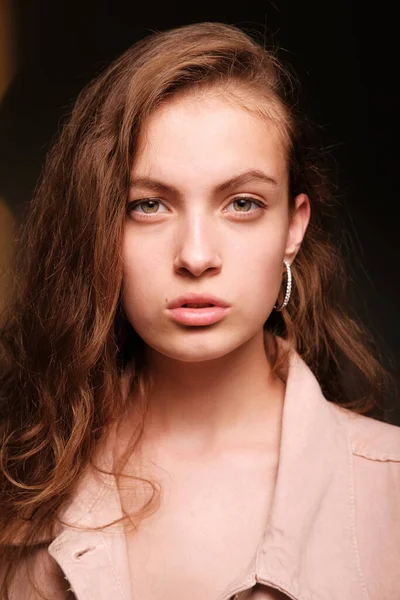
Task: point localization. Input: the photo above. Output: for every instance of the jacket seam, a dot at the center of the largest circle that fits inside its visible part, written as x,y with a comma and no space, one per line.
117,579
369,454
354,535
84,511
373,457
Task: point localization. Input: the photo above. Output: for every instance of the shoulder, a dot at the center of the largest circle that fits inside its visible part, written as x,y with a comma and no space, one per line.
38,574
369,438
375,499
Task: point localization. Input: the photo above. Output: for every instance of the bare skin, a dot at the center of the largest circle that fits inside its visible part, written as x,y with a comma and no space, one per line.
211,519
213,512
212,431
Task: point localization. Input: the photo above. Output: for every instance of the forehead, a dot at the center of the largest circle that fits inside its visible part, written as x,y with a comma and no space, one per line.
208,136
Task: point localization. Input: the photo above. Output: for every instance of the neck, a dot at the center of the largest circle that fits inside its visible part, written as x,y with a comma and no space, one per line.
201,408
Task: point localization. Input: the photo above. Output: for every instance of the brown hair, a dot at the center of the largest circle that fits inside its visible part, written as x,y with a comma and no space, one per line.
64,340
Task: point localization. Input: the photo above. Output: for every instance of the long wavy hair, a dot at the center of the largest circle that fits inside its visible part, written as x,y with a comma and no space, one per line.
65,343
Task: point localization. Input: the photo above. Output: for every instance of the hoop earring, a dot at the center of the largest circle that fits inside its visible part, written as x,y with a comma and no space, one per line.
288,287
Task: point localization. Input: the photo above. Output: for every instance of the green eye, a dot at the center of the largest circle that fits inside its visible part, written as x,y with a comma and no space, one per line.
244,204
151,204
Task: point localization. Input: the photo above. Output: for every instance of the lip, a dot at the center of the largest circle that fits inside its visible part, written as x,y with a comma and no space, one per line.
198,316
193,298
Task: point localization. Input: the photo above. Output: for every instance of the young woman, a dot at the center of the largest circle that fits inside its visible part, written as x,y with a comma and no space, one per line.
176,415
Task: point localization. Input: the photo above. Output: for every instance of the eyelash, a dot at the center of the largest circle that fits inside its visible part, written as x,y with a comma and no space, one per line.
134,203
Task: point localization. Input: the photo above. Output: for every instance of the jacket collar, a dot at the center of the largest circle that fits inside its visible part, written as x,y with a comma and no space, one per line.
309,547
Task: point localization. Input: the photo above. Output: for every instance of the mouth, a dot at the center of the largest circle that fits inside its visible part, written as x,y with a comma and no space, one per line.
193,305
197,301
198,313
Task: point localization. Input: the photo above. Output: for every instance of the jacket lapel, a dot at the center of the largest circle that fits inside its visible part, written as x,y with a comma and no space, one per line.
309,548
94,562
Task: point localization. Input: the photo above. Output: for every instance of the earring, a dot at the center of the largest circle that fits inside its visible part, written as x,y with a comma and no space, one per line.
288,287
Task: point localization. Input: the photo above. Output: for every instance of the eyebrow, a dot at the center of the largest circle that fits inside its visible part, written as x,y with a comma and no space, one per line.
253,176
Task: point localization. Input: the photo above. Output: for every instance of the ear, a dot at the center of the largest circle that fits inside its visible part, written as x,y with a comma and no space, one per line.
297,226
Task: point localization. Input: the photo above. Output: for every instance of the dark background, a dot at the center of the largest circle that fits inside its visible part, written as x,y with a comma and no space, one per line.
346,59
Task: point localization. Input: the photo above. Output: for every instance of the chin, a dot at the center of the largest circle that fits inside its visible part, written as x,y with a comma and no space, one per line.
190,351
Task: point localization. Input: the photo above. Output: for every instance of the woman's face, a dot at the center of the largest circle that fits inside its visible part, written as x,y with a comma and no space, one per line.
207,213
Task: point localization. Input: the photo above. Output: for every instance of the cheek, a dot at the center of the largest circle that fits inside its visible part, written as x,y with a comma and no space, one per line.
141,266
258,267
261,254
261,277
142,257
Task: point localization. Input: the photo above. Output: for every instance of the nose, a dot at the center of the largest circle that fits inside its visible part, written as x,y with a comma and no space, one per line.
197,247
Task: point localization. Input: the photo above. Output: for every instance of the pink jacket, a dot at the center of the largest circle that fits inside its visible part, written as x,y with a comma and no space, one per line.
334,526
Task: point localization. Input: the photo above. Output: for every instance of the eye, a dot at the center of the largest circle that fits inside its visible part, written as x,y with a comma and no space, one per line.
151,204
244,204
